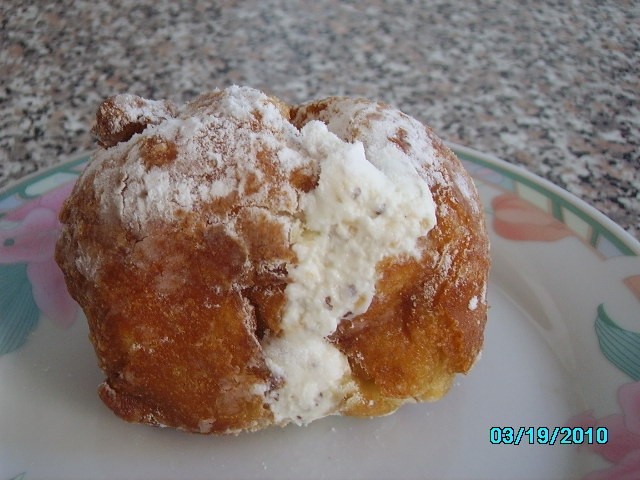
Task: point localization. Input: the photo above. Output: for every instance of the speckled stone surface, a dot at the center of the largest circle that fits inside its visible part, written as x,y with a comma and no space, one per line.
552,85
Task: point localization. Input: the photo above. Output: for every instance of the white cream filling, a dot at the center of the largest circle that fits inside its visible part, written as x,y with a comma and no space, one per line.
363,210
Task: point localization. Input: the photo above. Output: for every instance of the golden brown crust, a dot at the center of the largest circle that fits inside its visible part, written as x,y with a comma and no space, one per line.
178,307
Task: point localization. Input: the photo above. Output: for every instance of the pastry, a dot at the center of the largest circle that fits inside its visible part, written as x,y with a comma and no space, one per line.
244,263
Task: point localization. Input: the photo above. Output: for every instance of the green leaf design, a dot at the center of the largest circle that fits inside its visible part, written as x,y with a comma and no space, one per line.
19,313
621,347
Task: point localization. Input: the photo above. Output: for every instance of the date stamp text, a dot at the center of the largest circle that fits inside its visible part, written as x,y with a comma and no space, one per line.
548,435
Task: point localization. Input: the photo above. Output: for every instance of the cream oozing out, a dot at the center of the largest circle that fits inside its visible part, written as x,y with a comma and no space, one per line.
362,210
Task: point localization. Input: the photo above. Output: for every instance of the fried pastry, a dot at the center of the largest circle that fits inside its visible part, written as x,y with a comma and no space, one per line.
243,262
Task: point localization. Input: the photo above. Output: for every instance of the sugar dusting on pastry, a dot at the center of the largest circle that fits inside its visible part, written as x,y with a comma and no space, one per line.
181,162
244,262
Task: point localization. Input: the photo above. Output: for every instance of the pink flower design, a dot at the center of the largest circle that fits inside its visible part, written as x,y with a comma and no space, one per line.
32,241
517,219
623,445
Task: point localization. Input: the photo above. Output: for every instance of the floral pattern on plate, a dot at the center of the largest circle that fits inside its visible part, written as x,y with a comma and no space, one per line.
527,211
31,283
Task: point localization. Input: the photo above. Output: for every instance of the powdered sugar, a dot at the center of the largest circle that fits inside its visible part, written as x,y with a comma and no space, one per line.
220,139
218,153
467,189
135,109
473,303
120,116
154,192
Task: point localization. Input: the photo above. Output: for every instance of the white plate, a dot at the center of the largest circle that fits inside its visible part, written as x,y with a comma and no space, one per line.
562,349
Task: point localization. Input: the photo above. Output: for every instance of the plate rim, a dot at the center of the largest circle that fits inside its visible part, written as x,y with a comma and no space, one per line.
603,220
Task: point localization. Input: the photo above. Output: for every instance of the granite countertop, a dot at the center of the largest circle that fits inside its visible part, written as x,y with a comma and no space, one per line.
552,86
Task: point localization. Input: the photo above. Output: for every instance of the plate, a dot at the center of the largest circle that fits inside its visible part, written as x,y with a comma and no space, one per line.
560,366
